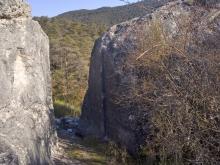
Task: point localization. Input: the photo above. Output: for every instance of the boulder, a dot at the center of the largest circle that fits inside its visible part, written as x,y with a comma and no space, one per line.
104,113
27,127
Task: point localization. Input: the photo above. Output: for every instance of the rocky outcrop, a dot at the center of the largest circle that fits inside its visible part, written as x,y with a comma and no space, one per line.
14,9
200,2
104,114
27,130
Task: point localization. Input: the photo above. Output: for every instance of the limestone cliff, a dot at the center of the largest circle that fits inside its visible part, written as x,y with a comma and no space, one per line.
105,113
27,132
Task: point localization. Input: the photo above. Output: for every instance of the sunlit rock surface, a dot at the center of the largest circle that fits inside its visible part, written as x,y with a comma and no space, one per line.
27,130
14,9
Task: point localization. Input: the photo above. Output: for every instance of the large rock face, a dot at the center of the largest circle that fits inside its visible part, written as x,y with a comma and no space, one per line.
26,110
103,113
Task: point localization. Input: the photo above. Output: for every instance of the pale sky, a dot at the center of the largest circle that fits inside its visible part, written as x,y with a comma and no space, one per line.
52,8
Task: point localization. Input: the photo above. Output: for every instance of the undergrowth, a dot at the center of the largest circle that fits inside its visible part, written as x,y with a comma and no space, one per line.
93,151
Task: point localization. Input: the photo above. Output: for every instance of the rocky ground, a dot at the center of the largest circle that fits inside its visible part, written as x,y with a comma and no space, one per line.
74,150
66,142
87,151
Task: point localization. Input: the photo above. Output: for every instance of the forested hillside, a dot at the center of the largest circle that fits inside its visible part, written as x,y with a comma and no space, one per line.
109,16
70,48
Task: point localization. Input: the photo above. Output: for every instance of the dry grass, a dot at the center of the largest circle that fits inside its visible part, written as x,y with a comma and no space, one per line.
91,151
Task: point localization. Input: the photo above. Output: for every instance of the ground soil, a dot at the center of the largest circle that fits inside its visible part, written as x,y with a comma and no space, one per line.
65,143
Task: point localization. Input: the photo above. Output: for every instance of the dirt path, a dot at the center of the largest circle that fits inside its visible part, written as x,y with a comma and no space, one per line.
65,142
76,151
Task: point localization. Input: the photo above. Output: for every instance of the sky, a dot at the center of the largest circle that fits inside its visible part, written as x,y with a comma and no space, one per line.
52,8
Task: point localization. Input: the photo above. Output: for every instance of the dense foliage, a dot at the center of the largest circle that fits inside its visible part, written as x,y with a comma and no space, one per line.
70,49
109,16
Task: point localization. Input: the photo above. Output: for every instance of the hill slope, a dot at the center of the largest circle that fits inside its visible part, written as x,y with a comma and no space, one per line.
110,16
70,48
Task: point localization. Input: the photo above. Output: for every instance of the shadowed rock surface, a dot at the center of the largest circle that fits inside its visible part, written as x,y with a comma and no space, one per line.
27,130
102,115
